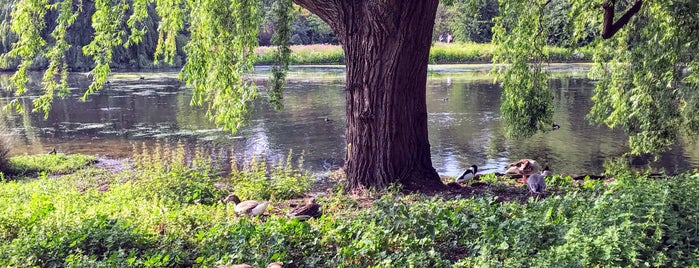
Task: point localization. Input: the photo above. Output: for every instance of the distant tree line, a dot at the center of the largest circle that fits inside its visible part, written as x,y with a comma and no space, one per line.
465,21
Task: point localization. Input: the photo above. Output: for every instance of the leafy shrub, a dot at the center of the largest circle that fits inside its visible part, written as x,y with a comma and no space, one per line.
255,180
166,173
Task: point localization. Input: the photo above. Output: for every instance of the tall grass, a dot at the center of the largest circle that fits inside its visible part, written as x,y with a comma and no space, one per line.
440,53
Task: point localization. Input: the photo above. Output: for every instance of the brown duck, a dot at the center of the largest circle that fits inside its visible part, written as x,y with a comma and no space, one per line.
310,210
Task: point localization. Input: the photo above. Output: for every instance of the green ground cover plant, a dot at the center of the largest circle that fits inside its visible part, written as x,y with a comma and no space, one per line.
171,216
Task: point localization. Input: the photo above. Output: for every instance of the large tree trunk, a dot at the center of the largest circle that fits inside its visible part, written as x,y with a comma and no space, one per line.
386,46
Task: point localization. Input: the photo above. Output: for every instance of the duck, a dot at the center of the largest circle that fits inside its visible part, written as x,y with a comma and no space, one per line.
249,207
310,210
245,265
537,183
467,175
275,265
523,167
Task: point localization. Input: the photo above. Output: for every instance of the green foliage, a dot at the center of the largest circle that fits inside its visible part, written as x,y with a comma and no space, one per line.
49,163
520,37
27,23
98,240
172,17
471,20
221,49
107,35
645,83
310,29
280,39
632,221
256,180
166,173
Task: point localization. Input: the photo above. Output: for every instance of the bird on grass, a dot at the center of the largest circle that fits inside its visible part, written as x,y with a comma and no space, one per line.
249,207
467,175
537,182
523,167
555,126
310,210
245,265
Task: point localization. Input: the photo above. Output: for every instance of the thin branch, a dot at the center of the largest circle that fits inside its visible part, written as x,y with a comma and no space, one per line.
609,27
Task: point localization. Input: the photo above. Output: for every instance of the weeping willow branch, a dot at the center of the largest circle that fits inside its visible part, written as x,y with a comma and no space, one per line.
221,49
519,36
283,12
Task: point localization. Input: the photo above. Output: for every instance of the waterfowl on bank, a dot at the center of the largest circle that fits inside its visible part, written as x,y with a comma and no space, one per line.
536,183
249,207
244,265
274,265
310,210
467,175
523,167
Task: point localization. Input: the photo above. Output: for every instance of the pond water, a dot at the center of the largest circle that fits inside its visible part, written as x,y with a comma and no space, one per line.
465,126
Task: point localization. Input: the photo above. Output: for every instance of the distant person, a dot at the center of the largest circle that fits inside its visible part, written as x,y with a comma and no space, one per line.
441,38
450,38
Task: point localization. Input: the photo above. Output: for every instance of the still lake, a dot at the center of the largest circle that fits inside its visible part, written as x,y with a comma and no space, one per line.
465,126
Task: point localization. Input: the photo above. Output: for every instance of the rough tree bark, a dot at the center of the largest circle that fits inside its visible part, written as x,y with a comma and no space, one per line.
386,46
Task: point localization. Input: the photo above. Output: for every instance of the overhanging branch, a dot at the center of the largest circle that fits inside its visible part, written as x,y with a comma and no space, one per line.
609,27
327,10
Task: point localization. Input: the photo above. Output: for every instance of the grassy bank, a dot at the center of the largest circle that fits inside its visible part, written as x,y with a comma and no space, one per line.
440,53
170,215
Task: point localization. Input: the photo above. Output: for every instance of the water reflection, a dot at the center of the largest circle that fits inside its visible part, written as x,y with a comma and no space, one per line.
465,127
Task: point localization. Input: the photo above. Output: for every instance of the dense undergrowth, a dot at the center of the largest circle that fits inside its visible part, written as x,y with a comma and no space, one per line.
439,54
169,215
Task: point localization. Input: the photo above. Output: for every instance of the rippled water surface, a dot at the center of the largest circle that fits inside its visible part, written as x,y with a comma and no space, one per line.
465,126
